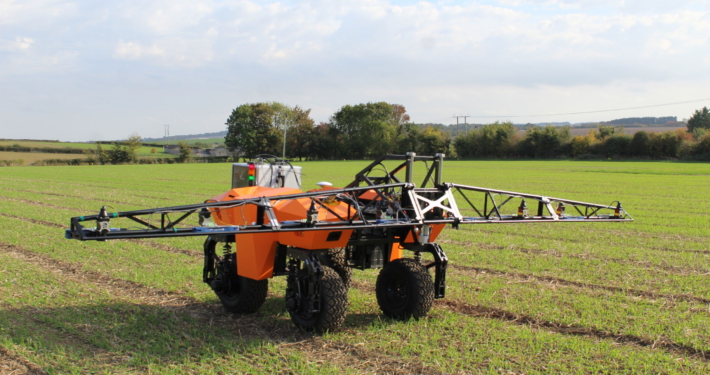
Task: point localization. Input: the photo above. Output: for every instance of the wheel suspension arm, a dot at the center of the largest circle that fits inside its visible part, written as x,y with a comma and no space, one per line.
440,264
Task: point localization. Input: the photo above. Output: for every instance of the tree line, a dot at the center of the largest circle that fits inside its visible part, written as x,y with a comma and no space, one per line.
367,130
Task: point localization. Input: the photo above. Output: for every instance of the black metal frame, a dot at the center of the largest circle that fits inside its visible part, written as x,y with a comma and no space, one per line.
412,211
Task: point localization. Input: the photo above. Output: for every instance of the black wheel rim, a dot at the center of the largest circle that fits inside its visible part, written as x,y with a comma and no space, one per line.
232,290
397,291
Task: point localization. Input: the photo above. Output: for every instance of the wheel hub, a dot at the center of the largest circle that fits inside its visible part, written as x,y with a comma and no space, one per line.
397,291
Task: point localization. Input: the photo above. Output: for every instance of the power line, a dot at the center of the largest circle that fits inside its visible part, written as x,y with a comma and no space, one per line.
457,122
600,111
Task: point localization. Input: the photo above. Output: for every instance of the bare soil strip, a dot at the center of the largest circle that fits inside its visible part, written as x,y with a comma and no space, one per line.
67,339
557,254
68,196
649,235
168,248
163,247
86,198
14,364
358,358
41,204
117,287
88,185
556,280
35,221
248,327
493,313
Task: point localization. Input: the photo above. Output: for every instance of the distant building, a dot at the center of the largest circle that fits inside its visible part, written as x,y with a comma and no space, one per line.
199,152
171,149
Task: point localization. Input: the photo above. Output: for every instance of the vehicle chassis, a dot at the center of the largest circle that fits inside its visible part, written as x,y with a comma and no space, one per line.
385,216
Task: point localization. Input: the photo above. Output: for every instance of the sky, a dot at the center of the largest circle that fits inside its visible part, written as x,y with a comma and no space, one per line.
87,70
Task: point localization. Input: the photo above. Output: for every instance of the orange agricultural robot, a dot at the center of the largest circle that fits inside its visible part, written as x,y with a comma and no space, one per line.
266,226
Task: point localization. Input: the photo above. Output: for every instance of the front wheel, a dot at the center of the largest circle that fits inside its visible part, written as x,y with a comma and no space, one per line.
330,299
404,290
238,294
336,257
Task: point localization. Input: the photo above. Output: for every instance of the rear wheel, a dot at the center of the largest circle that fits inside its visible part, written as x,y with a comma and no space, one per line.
238,294
404,290
330,299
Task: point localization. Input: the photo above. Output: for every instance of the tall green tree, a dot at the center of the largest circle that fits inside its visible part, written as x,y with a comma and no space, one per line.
102,155
367,130
492,140
258,128
432,141
541,142
699,120
300,135
123,152
185,152
251,130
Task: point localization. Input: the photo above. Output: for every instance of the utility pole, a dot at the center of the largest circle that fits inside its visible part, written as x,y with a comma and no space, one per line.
457,123
167,130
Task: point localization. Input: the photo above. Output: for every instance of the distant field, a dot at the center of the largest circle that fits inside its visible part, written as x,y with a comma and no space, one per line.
142,152
31,157
534,299
583,131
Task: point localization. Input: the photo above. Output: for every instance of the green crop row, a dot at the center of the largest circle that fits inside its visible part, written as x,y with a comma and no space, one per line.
552,298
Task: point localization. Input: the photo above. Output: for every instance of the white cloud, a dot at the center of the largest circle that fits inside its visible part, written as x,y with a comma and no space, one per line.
19,44
13,12
433,54
133,50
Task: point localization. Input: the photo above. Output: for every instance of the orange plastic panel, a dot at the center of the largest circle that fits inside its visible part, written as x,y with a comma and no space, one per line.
370,194
396,251
245,215
433,234
435,231
255,255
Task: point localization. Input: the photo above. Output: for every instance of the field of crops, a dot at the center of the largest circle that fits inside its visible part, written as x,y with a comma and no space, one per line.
551,298
143,152
31,157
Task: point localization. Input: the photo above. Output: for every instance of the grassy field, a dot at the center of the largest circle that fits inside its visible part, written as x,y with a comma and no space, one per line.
552,298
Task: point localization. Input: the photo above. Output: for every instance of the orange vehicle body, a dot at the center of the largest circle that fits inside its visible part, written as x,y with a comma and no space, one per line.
256,252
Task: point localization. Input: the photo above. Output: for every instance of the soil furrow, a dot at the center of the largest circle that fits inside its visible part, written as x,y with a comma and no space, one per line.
358,358
68,339
507,316
556,254
211,315
13,364
494,313
67,196
40,204
94,186
556,280
83,196
543,237
159,246
629,232
168,248
130,290
35,221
